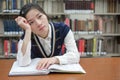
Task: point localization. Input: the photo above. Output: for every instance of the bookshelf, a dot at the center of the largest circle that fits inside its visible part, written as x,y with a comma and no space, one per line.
96,22
109,12
96,25
10,32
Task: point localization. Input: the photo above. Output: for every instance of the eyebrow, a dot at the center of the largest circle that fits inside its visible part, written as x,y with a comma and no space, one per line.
33,17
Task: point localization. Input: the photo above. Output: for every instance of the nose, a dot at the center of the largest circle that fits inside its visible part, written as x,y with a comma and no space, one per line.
38,22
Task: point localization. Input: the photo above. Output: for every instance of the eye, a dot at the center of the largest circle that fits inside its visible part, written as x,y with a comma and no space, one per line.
39,16
31,22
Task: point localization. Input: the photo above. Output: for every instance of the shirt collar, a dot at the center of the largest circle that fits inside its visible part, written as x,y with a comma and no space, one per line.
49,33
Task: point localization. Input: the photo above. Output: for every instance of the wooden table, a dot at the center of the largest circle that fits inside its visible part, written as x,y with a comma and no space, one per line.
96,68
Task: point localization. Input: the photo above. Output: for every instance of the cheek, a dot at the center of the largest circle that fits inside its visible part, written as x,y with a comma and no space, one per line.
46,23
45,20
33,29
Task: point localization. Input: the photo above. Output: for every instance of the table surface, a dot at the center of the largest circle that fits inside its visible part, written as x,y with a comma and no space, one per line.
97,69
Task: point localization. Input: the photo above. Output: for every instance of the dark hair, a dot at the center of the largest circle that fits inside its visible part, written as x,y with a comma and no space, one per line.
26,8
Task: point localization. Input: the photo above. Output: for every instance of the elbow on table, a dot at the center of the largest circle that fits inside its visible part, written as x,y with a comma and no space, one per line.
24,63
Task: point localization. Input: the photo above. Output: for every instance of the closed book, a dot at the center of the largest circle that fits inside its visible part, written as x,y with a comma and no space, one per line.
81,46
6,49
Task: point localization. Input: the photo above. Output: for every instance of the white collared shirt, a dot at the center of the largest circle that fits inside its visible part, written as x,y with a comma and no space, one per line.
46,42
71,55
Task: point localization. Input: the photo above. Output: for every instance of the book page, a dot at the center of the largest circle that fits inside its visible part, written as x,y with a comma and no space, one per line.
70,68
27,70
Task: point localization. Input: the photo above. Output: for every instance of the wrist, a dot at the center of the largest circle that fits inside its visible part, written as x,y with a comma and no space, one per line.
56,60
27,34
28,29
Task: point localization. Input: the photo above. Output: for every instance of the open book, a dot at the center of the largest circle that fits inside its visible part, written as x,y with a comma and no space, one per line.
31,69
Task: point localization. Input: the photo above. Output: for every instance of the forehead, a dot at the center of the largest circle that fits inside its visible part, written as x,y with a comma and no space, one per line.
32,13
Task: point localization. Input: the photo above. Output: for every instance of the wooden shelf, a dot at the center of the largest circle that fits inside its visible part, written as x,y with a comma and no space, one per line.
113,14
96,35
12,35
7,57
8,14
107,55
82,56
111,34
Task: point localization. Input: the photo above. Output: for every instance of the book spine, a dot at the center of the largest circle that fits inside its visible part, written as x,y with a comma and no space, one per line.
81,46
6,43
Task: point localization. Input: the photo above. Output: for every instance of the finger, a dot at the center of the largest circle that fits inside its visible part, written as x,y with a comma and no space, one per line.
38,65
47,65
43,65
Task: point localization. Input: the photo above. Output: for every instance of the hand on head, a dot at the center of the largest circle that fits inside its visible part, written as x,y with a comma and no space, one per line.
22,22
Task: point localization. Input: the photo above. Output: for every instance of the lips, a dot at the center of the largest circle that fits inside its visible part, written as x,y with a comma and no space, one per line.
41,28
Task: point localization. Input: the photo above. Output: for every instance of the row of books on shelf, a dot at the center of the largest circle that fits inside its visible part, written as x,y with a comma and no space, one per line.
98,25
65,6
50,6
107,6
11,27
13,6
8,47
97,46
94,46
76,6
86,47
80,6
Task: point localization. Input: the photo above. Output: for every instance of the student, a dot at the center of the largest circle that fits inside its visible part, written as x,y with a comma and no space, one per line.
43,39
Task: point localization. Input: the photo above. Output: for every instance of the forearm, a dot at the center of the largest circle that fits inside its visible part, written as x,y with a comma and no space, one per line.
26,39
26,59
24,50
71,55
69,58
56,60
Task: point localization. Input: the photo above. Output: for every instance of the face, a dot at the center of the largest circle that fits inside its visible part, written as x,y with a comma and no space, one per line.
38,22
